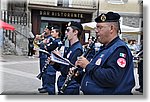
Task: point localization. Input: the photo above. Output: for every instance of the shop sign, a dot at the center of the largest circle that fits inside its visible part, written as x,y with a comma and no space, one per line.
61,14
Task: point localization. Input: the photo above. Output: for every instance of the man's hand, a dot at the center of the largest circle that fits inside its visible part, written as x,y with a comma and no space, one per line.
72,71
50,62
45,41
37,37
57,52
82,62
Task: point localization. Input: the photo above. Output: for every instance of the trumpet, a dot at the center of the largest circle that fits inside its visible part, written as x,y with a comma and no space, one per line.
39,39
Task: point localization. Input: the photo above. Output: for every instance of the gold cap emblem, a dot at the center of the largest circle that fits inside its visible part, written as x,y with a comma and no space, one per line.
103,18
69,23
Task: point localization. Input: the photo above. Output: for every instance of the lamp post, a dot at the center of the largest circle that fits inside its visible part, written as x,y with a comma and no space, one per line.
98,8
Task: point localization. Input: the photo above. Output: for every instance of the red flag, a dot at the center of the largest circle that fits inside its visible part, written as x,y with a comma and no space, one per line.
6,26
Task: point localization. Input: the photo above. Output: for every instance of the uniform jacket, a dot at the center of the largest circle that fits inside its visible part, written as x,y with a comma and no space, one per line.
42,46
71,54
110,72
50,47
54,44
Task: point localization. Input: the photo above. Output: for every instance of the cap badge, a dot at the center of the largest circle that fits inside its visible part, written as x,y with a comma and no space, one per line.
103,18
69,23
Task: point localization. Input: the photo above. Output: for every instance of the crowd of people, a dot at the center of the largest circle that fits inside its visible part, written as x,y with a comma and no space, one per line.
137,53
104,70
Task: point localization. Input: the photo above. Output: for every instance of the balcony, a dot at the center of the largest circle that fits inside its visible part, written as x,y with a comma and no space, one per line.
42,2
76,4
117,1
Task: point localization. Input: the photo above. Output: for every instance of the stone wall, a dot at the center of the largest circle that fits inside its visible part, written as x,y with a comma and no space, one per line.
21,43
131,21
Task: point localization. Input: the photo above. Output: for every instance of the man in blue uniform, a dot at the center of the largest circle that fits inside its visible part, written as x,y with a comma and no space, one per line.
50,73
75,50
44,37
111,70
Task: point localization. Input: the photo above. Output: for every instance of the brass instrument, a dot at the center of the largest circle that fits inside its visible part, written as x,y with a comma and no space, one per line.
38,40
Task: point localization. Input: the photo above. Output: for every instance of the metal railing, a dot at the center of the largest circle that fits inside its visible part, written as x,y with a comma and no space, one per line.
14,17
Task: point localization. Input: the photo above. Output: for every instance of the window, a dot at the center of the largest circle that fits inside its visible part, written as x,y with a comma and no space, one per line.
59,2
117,1
63,3
66,3
140,2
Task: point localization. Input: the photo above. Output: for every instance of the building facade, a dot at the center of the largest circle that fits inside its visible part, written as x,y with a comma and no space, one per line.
60,12
131,12
34,15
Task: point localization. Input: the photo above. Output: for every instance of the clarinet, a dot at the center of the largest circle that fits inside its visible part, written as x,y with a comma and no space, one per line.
70,76
39,76
65,38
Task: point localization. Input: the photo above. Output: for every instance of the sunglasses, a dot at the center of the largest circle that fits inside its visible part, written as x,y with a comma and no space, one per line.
67,29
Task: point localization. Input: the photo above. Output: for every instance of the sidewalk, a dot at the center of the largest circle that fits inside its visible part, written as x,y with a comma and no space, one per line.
11,58
14,58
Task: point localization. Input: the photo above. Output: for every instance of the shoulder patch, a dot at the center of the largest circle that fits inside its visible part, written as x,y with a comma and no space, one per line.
122,55
121,62
69,54
98,62
59,42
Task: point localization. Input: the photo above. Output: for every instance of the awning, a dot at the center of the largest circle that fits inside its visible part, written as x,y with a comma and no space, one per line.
124,29
6,26
89,26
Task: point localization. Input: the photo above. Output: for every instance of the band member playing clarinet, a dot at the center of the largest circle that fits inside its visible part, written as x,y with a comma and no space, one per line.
73,32
50,73
111,70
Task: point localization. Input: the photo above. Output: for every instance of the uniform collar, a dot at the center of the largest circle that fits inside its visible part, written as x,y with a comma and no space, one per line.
48,36
74,44
112,42
57,38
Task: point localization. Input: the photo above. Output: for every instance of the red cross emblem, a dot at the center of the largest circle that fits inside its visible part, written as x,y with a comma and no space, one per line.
121,62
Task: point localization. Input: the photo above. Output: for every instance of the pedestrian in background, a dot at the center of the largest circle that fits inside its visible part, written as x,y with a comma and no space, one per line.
87,47
140,69
30,48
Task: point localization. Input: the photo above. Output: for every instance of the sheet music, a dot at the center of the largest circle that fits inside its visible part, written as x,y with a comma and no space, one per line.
59,59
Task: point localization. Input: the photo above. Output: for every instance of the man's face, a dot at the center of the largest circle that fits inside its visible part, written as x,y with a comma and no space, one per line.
103,32
90,41
69,32
54,33
47,31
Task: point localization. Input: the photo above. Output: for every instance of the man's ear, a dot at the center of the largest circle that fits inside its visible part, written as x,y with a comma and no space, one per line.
111,28
76,32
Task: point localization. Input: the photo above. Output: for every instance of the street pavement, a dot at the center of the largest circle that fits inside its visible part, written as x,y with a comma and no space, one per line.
18,76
